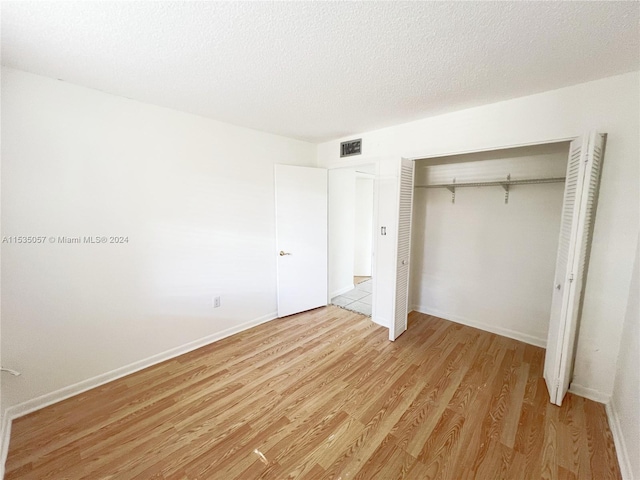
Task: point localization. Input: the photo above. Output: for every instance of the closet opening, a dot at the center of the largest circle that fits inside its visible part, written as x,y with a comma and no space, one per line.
517,265
485,233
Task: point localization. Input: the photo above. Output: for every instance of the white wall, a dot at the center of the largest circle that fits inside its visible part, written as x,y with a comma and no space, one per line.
363,226
610,105
625,401
4,424
195,197
342,211
385,246
499,258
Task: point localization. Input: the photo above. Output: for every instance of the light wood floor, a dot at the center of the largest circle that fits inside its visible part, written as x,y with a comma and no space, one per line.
325,395
357,280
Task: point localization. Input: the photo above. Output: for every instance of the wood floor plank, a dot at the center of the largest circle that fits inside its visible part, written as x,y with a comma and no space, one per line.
421,417
571,417
600,444
534,433
442,445
387,461
510,426
324,395
550,457
477,432
498,461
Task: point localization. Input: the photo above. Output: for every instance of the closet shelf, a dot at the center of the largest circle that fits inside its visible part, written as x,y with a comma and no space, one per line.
505,184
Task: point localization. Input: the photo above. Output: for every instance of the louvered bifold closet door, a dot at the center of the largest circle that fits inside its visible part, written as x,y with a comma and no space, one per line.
561,277
580,198
588,205
401,309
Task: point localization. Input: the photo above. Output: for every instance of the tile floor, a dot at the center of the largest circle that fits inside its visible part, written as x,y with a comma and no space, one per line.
356,300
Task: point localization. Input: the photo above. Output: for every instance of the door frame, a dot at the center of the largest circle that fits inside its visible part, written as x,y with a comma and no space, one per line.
354,163
493,148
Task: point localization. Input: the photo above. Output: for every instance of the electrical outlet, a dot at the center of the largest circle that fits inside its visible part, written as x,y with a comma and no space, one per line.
216,302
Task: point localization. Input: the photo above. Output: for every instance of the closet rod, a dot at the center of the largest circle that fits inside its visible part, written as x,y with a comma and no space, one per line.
496,183
505,184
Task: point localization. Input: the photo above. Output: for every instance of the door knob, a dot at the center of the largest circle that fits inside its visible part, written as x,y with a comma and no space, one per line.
282,254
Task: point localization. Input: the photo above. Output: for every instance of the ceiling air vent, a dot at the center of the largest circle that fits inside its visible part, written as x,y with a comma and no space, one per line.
351,147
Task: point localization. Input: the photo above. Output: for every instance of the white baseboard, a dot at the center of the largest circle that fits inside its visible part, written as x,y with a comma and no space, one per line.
589,393
340,291
505,332
618,439
71,390
37,403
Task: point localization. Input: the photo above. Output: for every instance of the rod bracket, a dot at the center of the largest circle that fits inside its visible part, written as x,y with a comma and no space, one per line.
452,189
505,185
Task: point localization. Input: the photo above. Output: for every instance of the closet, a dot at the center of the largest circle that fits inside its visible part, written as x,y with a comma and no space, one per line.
500,241
482,255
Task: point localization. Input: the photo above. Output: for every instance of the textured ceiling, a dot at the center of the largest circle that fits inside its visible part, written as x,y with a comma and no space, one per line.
321,70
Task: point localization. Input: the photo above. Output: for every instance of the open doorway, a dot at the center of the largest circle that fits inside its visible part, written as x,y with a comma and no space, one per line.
351,225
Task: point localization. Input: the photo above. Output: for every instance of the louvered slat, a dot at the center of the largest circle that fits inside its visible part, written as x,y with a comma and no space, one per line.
571,186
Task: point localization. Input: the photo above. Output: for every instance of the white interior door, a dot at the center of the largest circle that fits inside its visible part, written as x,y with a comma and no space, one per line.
580,197
301,238
401,304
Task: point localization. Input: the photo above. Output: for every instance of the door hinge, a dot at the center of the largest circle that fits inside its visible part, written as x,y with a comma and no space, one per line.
571,278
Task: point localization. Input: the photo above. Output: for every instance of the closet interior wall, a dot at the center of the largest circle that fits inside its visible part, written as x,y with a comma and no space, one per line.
480,261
